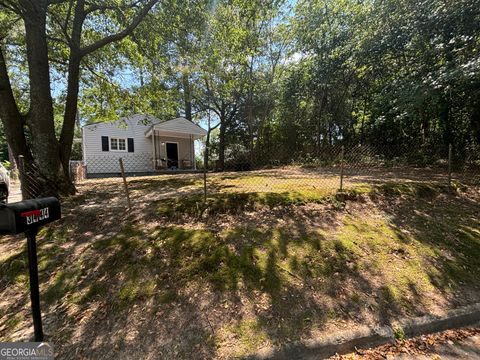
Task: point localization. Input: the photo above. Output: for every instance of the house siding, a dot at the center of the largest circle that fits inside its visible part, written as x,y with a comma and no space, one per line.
107,162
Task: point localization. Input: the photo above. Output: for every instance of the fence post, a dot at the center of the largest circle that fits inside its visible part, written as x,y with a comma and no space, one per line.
449,164
342,154
122,169
21,163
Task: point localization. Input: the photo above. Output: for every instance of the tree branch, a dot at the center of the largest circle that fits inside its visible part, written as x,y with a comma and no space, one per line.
10,115
53,38
62,27
101,77
211,97
92,7
67,18
8,28
10,6
214,127
120,35
7,100
58,61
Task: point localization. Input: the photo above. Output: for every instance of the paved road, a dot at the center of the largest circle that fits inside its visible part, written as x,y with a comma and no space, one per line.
468,348
463,343
15,193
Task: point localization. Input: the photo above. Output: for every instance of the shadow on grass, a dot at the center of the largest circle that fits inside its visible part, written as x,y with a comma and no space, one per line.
450,227
165,183
163,290
225,203
236,202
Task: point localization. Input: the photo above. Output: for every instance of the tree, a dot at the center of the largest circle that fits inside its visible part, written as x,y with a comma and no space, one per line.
56,32
239,61
170,42
390,74
219,74
3,145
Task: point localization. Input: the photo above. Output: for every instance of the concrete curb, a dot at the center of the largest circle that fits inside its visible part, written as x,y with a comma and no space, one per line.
365,337
464,316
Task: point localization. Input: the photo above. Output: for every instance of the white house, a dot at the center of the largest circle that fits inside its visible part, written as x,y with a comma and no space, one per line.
145,144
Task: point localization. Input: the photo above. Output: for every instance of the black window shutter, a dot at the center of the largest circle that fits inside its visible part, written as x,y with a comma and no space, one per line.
130,145
104,143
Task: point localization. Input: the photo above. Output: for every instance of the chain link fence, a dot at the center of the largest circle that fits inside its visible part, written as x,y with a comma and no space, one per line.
324,170
33,183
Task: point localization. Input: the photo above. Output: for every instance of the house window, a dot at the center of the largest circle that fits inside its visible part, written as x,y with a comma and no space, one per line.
118,144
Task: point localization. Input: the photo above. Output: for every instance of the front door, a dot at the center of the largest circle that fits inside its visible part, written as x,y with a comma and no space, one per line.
172,155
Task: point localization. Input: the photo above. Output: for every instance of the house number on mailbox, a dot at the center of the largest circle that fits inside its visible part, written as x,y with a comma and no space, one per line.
35,216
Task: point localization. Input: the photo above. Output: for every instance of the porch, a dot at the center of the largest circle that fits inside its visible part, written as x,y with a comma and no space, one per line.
173,145
172,153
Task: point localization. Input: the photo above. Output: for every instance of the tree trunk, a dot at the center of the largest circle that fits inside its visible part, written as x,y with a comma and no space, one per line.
11,159
475,122
250,127
330,134
50,176
187,97
207,148
318,145
425,127
45,158
71,106
221,145
445,118
13,121
362,127
319,124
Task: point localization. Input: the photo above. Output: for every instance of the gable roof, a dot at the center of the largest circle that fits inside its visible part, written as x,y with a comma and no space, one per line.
179,125
131,120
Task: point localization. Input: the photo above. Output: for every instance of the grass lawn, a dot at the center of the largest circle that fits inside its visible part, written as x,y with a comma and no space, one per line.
175,278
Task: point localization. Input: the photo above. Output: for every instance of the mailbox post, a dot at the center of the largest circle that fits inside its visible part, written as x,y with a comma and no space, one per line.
26,217
34,287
